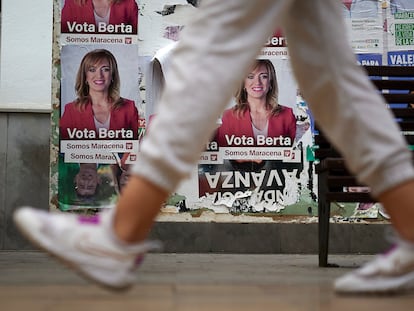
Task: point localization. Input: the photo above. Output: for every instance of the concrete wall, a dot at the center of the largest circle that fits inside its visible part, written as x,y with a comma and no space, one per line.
24,170
25,86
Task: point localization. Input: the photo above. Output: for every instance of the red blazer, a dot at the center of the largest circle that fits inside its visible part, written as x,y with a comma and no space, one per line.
282,124
124,117
123,12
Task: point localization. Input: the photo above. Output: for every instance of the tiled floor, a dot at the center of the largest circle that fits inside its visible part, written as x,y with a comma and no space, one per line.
31,281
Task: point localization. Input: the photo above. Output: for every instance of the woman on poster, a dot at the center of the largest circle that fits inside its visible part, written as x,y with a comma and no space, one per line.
257,112
99,112
94,16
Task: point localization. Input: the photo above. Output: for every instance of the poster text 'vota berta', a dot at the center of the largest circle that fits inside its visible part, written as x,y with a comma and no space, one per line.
122,28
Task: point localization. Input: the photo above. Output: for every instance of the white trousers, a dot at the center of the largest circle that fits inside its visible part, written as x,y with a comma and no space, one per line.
213,55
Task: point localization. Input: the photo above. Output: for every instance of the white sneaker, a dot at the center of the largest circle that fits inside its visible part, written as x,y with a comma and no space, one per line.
389,273
85,243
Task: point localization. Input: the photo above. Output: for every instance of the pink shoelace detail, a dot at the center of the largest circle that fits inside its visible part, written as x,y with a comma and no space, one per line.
389,250
138,260
94,220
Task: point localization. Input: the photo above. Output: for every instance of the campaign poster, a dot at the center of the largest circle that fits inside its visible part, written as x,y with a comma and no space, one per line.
364,20
400,33
84,23
275,46
100,116
368,59
260,158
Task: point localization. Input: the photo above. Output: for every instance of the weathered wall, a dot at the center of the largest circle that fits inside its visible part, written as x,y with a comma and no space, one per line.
24,170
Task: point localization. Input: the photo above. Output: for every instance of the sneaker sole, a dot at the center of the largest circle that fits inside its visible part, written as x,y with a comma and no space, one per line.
405,287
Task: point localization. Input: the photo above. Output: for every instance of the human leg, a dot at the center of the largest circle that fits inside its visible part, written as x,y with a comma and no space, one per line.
354,117
137,208
393,271
343,101
205,69
212,56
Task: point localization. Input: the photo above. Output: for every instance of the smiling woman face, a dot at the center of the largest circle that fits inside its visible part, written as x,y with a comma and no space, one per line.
257,82
99,76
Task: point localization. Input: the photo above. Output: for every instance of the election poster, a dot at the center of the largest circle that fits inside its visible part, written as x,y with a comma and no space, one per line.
400,33
114,22
100,119
364,21
275,46
260,158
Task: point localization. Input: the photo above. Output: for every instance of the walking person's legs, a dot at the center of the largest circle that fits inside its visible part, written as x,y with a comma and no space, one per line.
355,118
214,52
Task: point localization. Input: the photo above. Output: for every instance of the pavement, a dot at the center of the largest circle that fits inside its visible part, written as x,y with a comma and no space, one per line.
31,280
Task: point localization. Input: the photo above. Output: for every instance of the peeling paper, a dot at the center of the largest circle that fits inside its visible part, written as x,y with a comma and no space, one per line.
207,202
179,14
246,202
366,210
229,201
157,75
160,23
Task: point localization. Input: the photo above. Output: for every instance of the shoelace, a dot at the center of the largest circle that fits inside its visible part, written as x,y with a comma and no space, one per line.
394,239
